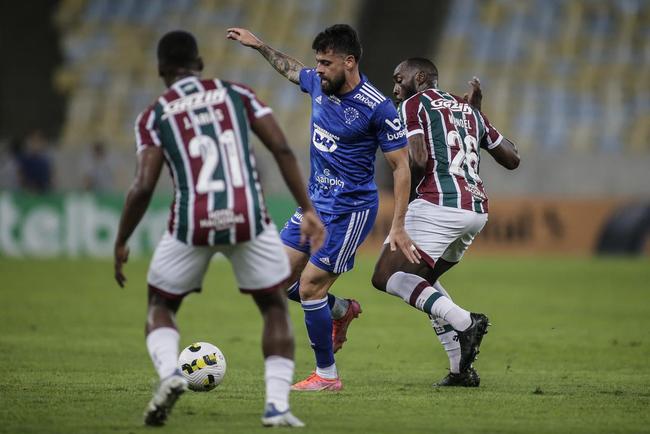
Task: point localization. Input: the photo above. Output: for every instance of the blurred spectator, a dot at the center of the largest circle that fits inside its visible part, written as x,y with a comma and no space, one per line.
97,169
35,165
9,155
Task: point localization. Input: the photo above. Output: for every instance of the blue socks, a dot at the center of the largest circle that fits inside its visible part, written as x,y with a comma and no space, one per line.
318,319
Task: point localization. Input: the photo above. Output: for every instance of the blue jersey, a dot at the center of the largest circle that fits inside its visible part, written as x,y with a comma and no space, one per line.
346,131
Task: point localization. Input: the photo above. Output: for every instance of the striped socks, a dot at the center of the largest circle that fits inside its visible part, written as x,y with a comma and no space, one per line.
420,294
447,335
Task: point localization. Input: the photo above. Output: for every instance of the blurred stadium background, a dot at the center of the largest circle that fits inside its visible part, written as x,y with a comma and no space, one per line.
568,81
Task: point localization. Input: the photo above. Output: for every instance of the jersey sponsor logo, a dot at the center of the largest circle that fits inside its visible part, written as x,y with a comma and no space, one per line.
329,181
351,114
194,101
475,191
454,106
222,219
319,99
364,99
396,125
323,140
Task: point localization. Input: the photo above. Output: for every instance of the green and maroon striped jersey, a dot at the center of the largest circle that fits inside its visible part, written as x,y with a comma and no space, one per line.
202,127
453,132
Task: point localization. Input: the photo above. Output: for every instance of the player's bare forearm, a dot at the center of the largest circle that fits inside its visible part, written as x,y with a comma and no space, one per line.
399,163
401,190
398,238
150,163
284,64
136,204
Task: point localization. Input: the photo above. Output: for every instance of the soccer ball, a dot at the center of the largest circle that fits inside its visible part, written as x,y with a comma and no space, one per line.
203,366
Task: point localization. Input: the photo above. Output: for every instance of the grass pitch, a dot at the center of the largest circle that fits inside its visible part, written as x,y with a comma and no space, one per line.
569,351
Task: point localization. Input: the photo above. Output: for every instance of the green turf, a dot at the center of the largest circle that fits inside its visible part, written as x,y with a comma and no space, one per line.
569,351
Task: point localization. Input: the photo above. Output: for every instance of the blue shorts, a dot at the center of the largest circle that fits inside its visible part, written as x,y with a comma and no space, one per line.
345,233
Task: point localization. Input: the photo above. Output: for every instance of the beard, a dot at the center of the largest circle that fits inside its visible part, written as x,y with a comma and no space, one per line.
333,86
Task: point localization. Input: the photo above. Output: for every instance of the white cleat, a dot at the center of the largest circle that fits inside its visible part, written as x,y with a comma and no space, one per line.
164,399
273,417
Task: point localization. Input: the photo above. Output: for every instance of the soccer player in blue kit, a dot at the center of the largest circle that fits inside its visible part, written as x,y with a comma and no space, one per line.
350,120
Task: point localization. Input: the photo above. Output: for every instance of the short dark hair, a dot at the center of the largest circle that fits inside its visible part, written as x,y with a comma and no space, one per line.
178,49
340,38
424,65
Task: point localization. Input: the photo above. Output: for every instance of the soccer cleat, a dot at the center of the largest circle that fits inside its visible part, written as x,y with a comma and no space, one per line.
340,326
469,378
164,399
470,340
273,417
316,383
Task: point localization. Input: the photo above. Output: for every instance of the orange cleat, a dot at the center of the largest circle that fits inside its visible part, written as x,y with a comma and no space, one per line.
340,326
316,383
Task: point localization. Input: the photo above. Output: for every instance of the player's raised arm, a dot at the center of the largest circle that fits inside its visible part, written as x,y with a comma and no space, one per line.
475,96
502,150
284,64
269,132
150,161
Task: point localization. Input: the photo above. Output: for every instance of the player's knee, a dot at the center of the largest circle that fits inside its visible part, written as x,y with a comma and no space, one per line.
379,280
313,287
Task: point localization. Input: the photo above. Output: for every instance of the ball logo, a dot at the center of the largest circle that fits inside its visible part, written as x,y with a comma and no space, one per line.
197,364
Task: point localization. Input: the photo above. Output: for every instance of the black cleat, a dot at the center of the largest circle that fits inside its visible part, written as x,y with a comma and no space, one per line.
469,378
470,340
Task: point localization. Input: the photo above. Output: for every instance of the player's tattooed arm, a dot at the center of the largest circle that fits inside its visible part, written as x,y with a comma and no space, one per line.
284,64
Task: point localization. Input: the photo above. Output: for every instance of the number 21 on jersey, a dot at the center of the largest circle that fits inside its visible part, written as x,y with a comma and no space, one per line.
211,153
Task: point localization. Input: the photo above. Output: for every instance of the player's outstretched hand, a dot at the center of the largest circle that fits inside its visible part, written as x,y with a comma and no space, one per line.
312,230
398,238
475,96
245,37
121,255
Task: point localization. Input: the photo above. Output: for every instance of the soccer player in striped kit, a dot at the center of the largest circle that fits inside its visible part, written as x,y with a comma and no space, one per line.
350,120
200,129
445,134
